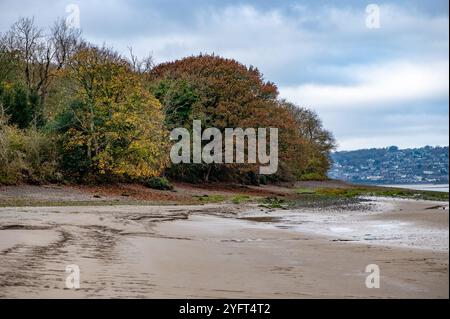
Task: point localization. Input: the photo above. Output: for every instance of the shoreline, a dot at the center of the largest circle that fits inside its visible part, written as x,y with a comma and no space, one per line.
216,251
318,193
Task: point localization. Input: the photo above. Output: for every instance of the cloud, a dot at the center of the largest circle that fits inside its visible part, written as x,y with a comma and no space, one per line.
297,46
376,86
383,140
402,128
395,103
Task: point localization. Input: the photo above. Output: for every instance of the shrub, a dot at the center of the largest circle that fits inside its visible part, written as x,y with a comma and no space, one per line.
263,179
158,183
313,177
26,156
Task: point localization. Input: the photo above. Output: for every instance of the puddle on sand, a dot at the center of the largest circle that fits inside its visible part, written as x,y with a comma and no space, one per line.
263,219
341,229
355,227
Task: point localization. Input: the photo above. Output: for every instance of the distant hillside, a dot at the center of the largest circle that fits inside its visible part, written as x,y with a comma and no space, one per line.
392,165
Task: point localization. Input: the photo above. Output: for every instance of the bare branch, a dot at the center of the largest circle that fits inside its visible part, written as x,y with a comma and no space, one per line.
65,41
140,66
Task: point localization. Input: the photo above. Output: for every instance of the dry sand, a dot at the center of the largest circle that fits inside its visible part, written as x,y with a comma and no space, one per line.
225,251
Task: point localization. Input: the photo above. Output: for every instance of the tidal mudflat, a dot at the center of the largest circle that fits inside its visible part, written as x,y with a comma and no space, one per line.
225,251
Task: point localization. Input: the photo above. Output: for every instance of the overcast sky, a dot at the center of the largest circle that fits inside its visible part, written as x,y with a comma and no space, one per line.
373,87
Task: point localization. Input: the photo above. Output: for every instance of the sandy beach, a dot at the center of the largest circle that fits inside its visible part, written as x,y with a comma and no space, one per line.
225,251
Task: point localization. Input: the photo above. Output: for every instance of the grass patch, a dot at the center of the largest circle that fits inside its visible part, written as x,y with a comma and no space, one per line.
353,192
304,191
45,203
351,197
239,199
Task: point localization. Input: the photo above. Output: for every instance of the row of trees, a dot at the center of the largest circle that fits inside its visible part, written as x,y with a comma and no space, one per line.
105,117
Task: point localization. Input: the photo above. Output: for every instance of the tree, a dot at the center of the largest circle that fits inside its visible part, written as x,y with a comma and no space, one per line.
35,57
16,104
111,114
178,97
65,42
141,66
222,93
114,120
320,141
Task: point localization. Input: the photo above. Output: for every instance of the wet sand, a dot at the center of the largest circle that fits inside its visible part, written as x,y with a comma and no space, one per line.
225,251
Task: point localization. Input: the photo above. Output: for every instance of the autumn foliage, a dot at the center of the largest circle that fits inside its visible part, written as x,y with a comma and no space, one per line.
224,93
115,122
73,111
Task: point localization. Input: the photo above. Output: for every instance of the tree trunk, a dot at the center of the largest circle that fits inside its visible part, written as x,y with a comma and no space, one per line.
208,173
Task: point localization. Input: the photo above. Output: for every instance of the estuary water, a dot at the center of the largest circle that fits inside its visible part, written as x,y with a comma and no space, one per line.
423,187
